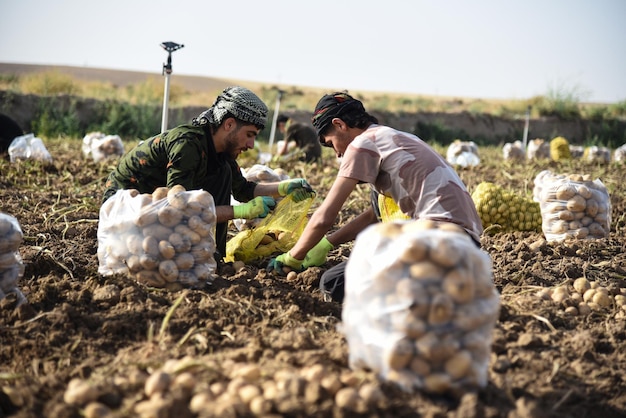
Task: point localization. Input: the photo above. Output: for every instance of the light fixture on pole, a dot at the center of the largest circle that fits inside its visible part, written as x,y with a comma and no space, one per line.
167,70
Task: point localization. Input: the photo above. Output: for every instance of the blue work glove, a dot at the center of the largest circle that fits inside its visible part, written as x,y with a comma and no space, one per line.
258,207
299,187
284,260
317,255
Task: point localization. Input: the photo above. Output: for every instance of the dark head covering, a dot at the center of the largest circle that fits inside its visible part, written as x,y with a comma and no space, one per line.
240,102
333,106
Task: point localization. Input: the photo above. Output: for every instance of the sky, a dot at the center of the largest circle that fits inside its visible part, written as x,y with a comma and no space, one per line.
491,49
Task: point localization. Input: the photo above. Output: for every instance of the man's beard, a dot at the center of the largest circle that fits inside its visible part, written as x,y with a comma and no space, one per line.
231,146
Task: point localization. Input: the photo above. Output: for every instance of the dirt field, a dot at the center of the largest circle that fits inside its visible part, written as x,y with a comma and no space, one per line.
251,328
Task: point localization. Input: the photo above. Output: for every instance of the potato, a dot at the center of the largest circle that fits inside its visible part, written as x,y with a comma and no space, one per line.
446,252
565,191
157,231
399,354
202,251
148,261
441,309
177,197
581,285
169,216
150,246
150,278
201,197
459,285
181,243
168,270
415,251
577,203
186,232
166,249
202,271
425,270
437,383
584,191
133,263
159,193
184,261
458,365
134,244
147,216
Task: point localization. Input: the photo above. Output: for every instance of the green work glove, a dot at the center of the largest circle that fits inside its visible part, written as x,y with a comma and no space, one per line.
258,207
284,260
317,255
299,187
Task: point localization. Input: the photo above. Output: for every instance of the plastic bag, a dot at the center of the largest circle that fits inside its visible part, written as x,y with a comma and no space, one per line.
277,232
513,151
163,239
619,154
463,153
261,174
572,206
29,147
389,210
11,264
595,154
100,146
538,149
420,306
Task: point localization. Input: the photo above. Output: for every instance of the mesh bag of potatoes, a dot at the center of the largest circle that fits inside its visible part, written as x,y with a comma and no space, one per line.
559,149
420,306
11,265
502,210
572,206
165,239
277,232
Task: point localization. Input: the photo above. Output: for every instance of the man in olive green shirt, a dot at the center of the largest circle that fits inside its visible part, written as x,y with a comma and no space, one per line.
202,155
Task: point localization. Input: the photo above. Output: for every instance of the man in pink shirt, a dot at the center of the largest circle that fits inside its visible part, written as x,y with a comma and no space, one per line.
396,164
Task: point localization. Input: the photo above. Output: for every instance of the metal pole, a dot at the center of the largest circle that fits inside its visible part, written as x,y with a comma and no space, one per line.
166,92
525,137
274,119
167,71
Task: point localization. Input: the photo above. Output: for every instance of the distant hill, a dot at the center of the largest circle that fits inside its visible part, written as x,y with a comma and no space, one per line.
119,78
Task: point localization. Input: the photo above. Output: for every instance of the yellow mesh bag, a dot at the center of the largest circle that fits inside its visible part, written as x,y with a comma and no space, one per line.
389,210
277,232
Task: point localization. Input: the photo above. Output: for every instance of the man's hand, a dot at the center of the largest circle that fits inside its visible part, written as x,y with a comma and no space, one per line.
317,255
284,260
299,187
258,207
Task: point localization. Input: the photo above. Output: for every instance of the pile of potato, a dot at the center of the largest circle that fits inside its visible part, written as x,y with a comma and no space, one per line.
165,239
513,151
420,306
584,296
572,206
180,386
509,211
100,146
11,265
559,149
